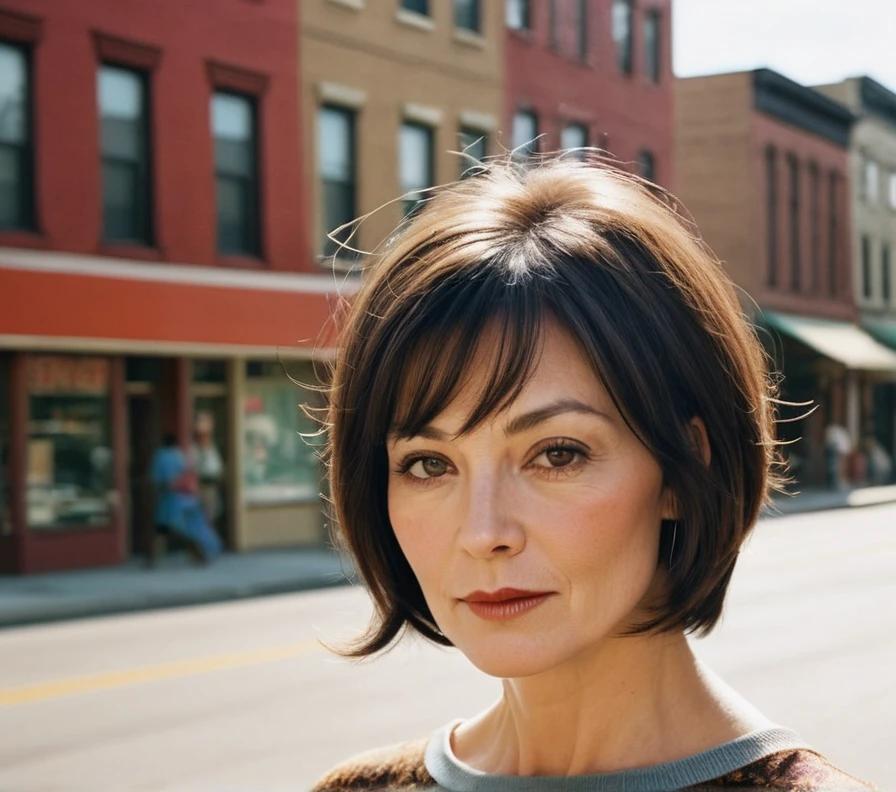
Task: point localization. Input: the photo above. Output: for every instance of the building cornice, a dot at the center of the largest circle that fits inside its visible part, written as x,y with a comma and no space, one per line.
803,107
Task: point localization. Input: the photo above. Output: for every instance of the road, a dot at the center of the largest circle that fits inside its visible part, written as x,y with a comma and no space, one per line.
240,696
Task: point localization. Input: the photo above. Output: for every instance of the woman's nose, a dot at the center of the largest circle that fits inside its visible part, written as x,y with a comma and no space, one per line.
491,523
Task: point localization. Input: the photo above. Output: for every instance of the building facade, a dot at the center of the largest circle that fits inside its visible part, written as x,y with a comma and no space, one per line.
592,73
764,167
873,206
390,90
155,269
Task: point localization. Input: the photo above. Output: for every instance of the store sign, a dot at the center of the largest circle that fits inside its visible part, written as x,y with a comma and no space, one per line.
58,374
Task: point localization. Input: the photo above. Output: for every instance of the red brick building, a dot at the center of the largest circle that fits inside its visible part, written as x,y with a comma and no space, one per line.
596,73
763,165
154,265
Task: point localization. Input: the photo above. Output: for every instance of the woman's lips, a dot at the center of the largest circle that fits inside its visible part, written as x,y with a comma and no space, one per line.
505,604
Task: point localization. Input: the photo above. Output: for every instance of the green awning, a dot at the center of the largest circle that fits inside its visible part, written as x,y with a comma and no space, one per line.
883,330
841,341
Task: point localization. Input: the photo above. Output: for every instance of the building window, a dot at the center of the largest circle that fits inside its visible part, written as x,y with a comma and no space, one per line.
280,463
417,6
236,173
474,143
124,152
5,453
885,275
69,454
468,15
574,136
870,188
337,168
415,161
866,267
814,224
525,133
647,165
622,34
833,231
652,44
892,190
581,27
796,257
16,164
771,204
518,15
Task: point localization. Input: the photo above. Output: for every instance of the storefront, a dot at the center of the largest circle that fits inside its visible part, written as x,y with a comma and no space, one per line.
86,398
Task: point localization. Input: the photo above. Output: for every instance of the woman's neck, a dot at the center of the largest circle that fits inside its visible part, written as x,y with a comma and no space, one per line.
630,702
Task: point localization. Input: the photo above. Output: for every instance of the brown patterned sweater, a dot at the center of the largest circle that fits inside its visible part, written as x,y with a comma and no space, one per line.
402,768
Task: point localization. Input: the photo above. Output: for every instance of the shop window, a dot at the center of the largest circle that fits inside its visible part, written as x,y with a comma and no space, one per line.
281,460
16,173
124,148
69,453
236,173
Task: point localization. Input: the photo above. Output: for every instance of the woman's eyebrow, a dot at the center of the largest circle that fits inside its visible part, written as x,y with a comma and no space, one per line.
521,423
527,420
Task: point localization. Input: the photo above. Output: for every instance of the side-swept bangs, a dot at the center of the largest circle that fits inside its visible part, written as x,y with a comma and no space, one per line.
591,248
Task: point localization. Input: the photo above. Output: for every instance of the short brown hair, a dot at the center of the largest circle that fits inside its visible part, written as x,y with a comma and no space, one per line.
612,259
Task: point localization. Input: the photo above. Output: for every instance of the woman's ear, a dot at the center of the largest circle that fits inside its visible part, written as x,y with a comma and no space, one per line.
700,439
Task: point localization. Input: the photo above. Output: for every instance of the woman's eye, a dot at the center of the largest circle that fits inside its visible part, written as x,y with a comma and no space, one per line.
427,467
559,457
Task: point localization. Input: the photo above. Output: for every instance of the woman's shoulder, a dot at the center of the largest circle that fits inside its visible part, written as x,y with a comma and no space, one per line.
798,769
394,767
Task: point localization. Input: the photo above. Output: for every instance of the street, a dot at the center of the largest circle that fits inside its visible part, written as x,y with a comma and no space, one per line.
241,696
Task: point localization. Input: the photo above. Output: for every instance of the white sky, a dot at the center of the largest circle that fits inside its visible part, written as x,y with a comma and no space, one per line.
810,41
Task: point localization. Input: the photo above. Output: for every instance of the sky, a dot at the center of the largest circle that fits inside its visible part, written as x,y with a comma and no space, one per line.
810,41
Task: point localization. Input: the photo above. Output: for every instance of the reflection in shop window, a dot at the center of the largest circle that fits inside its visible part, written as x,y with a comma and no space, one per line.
280,462
69,454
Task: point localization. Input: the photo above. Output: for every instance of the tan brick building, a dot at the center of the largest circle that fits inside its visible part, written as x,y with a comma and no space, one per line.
388,90
763,164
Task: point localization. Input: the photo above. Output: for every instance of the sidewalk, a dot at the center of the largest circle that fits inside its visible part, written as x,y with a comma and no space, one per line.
817,500
174,581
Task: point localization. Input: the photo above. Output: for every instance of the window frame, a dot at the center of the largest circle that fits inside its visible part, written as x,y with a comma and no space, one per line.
403,6
465,132
625,60
794,221
410,206
525,6
145,214
25,151
772,220
532,147
477,13
653,67
352,114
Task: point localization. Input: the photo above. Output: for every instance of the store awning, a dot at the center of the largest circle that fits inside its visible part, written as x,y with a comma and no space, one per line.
63,301
843,342
884,330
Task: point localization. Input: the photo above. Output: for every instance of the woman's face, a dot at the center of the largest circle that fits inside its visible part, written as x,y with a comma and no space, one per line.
555,495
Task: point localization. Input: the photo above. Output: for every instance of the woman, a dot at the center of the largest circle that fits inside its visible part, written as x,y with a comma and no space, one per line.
571,436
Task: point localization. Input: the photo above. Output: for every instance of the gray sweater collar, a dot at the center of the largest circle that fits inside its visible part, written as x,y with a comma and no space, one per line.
452,774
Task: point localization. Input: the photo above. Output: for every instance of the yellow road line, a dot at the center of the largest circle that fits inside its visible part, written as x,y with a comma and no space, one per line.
44,691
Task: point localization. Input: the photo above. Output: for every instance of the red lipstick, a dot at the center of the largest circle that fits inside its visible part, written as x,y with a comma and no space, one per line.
505,603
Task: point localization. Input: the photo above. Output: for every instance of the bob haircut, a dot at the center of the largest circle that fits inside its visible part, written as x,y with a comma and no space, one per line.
610,258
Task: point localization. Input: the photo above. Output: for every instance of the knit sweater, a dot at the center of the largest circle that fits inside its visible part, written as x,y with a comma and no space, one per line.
770,759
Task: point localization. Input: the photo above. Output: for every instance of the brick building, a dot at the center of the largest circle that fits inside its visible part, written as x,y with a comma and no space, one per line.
155,262
595,73
763,164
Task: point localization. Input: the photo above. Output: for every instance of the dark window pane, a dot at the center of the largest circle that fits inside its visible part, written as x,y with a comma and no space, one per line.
474,144
467,14
415,163
524,133
236,169
420,6
866,267
796,256
124,152
16,173
652,45
582,28
622,34
517,15
336,141
886,285
771,203
647,165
